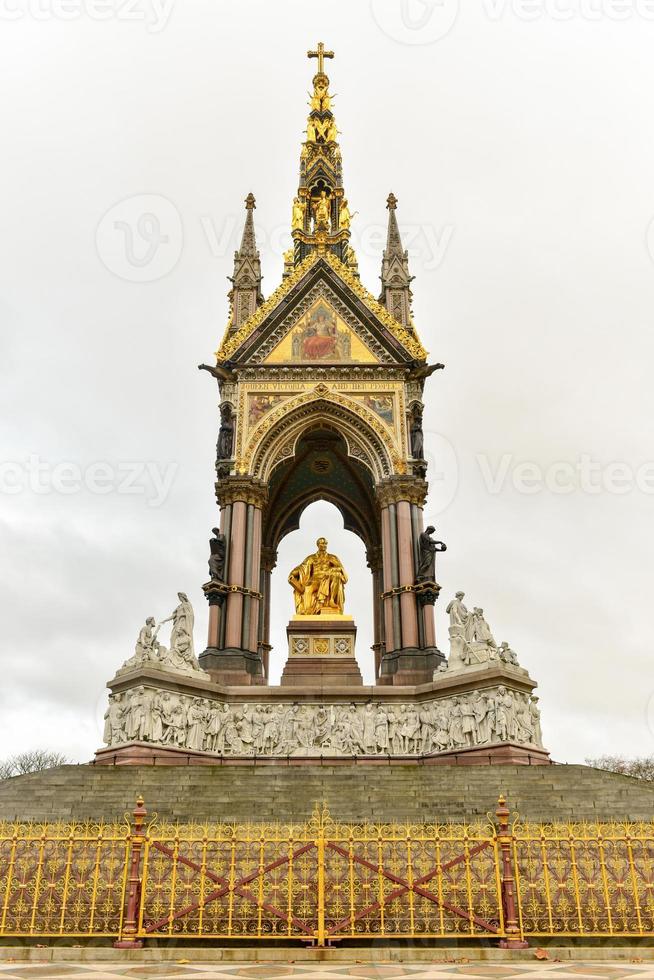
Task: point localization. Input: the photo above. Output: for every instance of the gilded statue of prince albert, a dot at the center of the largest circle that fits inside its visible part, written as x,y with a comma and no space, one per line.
319,583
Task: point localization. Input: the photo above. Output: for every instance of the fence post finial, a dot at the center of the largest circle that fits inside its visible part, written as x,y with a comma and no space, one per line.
128,933
512,931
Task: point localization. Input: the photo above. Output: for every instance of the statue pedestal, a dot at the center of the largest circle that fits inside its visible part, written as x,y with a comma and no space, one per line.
321,652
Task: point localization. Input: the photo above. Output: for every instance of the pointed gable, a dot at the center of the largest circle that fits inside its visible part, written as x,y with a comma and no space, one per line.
321,336
291,314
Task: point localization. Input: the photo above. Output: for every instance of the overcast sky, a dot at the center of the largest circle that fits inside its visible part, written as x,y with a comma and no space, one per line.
517,137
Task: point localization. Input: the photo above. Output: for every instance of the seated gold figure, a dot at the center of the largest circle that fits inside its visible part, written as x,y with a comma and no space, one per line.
319,583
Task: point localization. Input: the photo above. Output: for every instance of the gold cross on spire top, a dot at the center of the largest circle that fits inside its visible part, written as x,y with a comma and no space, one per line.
320,54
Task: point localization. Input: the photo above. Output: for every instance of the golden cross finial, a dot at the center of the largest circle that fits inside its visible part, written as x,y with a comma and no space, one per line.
320,54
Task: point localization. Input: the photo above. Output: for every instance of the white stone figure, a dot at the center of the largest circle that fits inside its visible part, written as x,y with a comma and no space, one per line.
369,729
217,726
468,722
426,716
483,716
455,728
524,723
534,710
411,730
477,629
457,611
233,744
505,718
381,729
442,728
156,731
181,655
507,655
145,729
178,719
114,730
271,731
147,648
133,711
195,721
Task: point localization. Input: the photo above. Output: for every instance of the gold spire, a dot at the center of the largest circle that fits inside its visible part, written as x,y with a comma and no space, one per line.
321,215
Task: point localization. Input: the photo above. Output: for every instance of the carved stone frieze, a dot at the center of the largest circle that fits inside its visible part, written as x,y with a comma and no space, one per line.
489,716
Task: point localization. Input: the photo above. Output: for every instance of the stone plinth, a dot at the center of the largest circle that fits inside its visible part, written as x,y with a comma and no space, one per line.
321,652
483,715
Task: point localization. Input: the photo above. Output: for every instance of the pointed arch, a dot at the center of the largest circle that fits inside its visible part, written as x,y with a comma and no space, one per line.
366,438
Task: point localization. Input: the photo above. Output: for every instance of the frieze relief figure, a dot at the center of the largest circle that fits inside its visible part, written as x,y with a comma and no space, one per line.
198,724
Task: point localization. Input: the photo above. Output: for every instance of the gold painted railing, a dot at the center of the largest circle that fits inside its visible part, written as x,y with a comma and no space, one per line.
324,881
63,879
585,879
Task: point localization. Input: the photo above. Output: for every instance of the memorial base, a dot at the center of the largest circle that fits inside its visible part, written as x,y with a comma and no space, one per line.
232,667
410,665
145,754
321,653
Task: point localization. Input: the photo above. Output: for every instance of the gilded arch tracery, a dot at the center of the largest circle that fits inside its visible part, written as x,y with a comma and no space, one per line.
274,440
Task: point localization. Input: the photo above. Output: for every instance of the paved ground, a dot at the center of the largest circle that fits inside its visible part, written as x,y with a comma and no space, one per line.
459,970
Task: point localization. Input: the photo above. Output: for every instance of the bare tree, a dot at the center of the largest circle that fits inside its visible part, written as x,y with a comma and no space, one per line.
640,767
35,760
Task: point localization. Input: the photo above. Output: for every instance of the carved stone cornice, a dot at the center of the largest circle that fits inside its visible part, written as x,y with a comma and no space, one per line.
402,488
241,488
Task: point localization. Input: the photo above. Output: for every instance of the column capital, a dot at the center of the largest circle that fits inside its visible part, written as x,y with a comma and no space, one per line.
395,489
241,488
268,558
374,558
